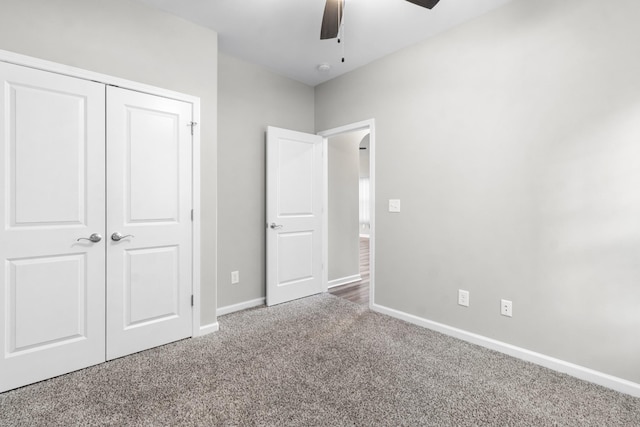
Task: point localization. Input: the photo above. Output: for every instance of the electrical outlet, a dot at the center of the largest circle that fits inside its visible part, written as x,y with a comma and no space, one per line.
463,298
394,205
235,277
506,307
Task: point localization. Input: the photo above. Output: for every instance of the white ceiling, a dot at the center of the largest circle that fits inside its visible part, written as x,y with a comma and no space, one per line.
284,35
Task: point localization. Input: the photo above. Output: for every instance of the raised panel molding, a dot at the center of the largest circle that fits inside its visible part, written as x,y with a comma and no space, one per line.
156,298
298,246
47,301
296,192
39,131
154,179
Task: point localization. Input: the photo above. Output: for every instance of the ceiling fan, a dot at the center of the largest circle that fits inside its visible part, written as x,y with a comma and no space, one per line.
332,17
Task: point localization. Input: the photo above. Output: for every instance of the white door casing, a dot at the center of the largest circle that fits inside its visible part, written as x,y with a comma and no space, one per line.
294,200
52,181
149,275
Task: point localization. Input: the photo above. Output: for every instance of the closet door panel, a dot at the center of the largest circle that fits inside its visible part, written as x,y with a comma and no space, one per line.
149,201
154,165
52,182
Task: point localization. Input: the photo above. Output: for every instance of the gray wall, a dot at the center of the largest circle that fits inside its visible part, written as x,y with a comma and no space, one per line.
343,205
513,142
250,99
127,39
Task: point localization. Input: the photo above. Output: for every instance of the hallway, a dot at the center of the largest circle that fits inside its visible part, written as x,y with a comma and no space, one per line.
357,292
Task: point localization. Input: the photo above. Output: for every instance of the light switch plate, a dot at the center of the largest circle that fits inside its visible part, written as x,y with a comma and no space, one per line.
394,205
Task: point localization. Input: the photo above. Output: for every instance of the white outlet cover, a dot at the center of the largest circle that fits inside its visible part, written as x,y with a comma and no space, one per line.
506,308
394,205
235,277
463,298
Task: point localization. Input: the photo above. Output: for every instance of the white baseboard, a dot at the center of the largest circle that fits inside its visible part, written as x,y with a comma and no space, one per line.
208,329
221,311
587,374
344,280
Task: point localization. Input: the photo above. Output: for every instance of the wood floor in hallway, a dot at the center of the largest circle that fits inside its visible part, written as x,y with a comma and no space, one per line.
357,292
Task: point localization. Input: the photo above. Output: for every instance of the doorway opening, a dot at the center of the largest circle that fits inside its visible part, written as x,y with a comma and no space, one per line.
348,231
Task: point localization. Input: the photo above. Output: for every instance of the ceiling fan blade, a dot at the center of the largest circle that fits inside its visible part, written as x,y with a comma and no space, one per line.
331,19
429,4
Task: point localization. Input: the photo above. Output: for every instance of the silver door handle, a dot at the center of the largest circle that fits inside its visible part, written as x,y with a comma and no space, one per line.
95,238
275,226
116,237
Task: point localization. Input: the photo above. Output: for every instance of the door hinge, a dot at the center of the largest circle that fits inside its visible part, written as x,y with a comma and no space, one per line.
191,300
191,215
192,124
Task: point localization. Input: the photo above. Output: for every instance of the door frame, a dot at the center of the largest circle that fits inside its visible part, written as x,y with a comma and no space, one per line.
53,67
326,134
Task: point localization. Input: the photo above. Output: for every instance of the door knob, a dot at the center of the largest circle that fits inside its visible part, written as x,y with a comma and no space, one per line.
116,237
275,226
95,238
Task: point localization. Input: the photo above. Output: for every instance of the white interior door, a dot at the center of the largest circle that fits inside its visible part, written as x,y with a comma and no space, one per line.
149,278
294,215
52,305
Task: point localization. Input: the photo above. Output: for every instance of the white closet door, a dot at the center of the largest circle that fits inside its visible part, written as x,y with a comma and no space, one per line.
149,201
52,194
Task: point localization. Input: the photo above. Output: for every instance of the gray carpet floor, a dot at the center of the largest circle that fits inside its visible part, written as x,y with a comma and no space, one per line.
319,361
